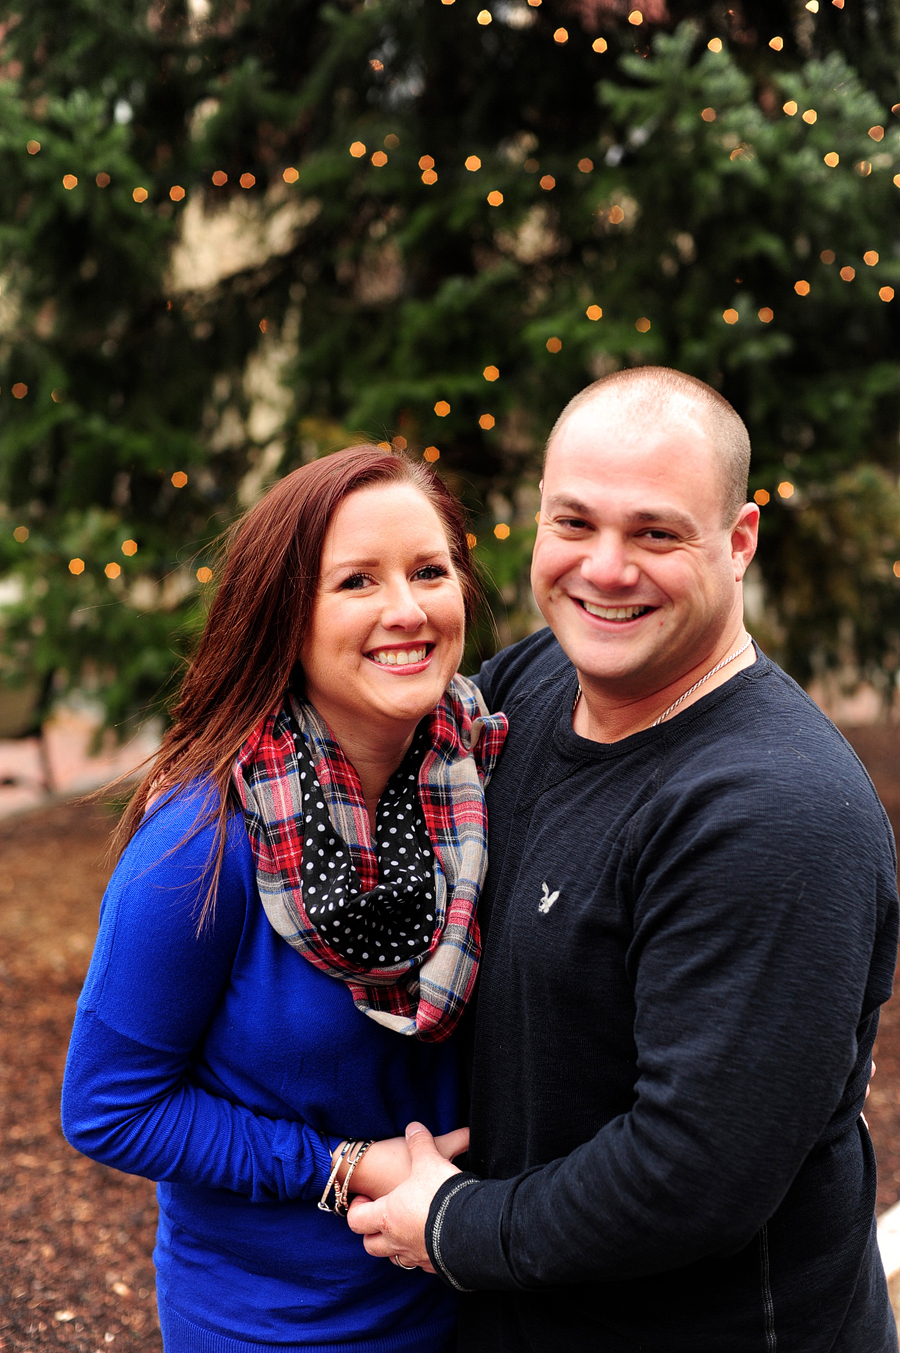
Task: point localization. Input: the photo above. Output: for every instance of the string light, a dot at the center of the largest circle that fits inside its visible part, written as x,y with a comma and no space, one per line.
897,180
870,257
598,45
561,36
801,288
810,116
501,531
140,194
827,256
176,192
864,169
554,344
129,547
69,182
832,159
531,166
379,159
290,175
897,568
102,180
247,180
636,18
21,534
442,408
204,574
586,165
430,176
486,422
812,6
484,17
179,479
848,274
113,570
358,149
642,325
495,199
57,396
491,373
594,312
715,44
263,326
426,161
886,293
472,163
431,454
547,182
786,489
616,215
776,44
220,178
32,147
766,315
392,141
399,443
19,390
876,133
471,540
708,114
761,497
730,316
76,566
790,107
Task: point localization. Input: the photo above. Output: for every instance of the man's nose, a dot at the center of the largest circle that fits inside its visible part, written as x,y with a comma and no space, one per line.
608,564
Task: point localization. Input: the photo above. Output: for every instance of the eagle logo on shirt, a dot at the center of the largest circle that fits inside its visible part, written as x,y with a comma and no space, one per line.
547,899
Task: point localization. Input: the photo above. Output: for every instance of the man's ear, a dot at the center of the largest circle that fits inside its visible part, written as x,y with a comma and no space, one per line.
744,539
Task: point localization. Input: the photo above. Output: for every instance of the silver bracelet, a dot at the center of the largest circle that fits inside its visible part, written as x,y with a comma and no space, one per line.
340,1196
322,1204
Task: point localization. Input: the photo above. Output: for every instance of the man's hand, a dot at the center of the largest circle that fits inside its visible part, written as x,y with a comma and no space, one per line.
394,1226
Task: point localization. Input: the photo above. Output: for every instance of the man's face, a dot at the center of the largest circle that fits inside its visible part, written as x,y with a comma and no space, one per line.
634,568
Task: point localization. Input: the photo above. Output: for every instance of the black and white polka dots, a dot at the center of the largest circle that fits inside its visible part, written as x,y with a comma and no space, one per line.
394,921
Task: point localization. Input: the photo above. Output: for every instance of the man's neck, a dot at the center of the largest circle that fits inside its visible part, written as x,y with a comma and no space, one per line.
603,716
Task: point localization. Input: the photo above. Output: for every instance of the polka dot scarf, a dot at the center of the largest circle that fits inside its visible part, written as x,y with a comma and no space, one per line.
391,915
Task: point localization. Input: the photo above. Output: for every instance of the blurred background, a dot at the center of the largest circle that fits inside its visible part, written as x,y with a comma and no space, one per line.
237,234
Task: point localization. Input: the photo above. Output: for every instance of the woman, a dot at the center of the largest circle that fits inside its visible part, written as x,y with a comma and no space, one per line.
289,935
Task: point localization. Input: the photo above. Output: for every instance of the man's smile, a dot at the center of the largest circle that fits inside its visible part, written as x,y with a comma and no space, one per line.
613,612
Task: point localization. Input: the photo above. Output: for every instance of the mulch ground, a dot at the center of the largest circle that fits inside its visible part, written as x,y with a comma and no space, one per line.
75,1269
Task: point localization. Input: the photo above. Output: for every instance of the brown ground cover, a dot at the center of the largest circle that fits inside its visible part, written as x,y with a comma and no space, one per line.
75,1246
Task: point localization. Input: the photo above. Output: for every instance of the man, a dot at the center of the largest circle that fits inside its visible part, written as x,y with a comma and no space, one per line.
690,923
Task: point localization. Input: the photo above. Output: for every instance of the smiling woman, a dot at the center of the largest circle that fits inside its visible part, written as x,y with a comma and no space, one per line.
289,937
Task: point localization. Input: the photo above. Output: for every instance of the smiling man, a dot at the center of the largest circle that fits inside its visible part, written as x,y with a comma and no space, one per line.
690,922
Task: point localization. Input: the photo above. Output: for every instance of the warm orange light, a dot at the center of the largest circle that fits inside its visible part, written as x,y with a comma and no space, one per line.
585,165
431,454
790,107
501,531
486,421
636,18
776,44
379,159
827,256
113,570
491,373
484,17
357,149
876,133
766,315
19,390
471,540
204,574
263,326
886,293
786,489
57,396
547,181
897,568
426,161
761,496
392,141
599,45
176,192
870,257
848,274
616,215
429,176
76,566
140,194
21,534
472,163
290,175
219,178
594,312
70,181
442,408
179,479
708,114
399,443
129,547
247,180
864,168
102,180
715,44
554,344
801,288
730,316
561,35
495,199
642,325
810,116
832,159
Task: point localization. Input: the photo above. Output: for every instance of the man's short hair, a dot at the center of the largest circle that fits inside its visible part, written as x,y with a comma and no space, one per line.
658,391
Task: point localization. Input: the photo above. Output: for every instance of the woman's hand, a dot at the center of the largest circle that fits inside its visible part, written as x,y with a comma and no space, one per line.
386,1163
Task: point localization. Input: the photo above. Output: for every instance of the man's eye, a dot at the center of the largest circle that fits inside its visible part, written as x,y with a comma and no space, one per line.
572,523
658,535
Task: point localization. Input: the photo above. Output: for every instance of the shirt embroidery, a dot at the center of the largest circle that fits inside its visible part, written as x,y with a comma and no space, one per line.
547,899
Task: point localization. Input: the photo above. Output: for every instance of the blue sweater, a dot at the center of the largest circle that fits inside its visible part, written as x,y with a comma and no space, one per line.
227,1068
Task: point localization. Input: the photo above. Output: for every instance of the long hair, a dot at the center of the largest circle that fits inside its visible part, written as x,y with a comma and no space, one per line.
249,650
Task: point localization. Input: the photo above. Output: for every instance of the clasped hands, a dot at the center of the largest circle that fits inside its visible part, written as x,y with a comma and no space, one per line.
394,1185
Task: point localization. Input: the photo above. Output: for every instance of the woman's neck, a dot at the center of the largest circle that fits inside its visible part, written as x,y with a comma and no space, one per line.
374,754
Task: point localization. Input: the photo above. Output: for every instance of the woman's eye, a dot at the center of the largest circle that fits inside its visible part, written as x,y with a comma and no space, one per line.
432,571
354,582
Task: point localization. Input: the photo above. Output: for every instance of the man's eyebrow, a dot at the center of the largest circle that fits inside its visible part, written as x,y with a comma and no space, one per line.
650,516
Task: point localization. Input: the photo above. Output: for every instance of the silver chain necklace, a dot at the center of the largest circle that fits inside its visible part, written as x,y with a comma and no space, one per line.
696,686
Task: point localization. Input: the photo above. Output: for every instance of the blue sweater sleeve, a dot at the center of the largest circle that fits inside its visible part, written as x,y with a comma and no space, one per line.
131,1094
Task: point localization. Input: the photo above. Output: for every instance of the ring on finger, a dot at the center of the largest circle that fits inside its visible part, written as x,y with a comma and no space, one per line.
407,1268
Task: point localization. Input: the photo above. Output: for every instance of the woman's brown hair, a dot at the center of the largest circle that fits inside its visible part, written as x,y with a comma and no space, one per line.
249,649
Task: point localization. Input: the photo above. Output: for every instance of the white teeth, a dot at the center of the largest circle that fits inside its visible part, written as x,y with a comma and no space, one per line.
614,612
391,658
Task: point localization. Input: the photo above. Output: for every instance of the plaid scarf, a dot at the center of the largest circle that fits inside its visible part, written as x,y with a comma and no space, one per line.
424,994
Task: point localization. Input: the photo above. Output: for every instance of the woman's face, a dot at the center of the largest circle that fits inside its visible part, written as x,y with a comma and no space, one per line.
387,627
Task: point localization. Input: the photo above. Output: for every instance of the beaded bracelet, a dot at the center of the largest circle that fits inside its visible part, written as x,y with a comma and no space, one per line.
340,1196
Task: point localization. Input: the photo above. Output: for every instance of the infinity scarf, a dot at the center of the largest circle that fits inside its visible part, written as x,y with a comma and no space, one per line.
303,806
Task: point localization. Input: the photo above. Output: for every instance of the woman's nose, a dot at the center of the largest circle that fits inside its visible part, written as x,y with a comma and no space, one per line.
401,609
